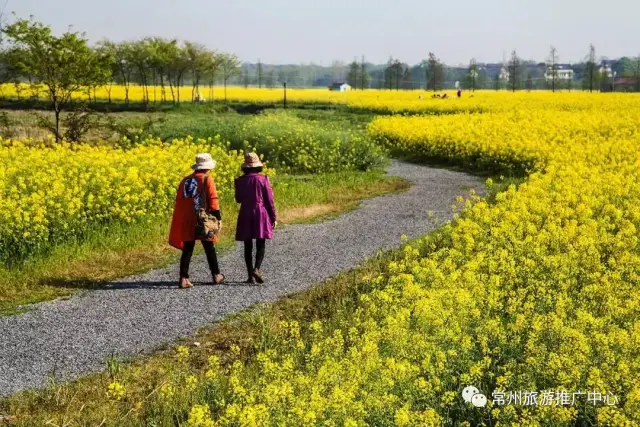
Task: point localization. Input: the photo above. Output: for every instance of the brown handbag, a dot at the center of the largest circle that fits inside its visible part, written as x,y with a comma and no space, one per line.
208,225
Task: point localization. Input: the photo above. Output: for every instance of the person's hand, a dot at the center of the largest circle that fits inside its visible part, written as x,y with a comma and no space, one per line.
220,226
275,224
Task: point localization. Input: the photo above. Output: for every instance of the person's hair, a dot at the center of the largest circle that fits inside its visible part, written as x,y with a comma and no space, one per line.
249,170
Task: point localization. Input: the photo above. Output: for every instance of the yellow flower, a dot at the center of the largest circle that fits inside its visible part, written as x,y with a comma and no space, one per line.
200,416
191,383
115,391
167,391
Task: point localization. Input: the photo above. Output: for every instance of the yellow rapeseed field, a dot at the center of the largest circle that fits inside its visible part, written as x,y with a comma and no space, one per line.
532,296
51,192
375,100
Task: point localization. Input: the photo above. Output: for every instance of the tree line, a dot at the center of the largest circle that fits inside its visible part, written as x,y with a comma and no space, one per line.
64,65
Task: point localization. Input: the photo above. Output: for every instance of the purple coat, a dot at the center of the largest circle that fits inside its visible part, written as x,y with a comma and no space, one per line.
257,210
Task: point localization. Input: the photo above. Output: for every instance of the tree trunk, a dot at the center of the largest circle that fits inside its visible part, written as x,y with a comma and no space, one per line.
163,92
56,108
154,85
173,96
126,91
178,90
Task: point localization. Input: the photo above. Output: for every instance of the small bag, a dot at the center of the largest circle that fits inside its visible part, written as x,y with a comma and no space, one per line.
208,225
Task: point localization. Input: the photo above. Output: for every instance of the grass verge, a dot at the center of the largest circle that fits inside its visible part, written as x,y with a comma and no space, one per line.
238,337
121,249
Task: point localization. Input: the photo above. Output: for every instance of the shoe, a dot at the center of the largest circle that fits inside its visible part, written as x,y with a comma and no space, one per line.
218,279
250,281
258,276
185,283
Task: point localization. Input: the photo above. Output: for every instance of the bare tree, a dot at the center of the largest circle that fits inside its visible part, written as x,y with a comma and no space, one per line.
472,74
552,64
230,66
364,77
591,67
514,71
436,72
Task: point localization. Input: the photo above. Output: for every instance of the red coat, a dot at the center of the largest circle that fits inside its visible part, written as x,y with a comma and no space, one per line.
183,223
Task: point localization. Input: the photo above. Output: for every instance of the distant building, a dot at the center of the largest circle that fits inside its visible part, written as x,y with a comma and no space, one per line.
563,72
504,73
606,68
340,87
627,84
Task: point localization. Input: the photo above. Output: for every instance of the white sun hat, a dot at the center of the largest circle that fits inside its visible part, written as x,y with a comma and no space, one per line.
203,162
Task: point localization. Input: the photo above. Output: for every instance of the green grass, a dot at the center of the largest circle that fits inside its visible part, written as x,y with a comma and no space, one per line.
119,249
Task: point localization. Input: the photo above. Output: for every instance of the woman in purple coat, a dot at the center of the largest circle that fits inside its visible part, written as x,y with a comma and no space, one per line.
257,216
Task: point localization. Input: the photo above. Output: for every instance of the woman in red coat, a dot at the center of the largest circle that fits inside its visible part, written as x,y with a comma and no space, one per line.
190,197
257,216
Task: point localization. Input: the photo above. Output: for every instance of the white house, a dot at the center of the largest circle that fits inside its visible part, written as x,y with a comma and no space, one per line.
340,87
563,72
504,73
606,69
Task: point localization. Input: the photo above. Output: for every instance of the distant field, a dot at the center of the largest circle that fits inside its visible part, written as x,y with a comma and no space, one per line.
378,101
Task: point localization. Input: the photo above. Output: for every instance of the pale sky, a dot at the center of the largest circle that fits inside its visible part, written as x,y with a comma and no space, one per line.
320,31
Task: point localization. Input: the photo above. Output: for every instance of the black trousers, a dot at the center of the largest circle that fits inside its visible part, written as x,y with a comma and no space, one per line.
187,252
248,254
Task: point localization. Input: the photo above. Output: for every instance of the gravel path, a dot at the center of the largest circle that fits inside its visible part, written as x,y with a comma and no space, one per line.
137,314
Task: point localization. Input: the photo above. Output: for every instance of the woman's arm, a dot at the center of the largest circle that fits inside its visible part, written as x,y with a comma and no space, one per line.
212,201
267,196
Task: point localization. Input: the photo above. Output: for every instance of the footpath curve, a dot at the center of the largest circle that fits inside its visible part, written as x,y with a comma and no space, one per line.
137,314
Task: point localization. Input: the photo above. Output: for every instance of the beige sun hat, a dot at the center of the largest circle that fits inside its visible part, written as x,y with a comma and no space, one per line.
203,162
251,160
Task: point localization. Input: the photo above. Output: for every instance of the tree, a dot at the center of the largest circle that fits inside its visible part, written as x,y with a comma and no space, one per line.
270,79
259,74
212,71
388,73
353,75
229,66
514,71
529,83
398,72
407,82
110,49
63,65
140,57
364,76
591,69
162,53
496,82
435,72
246,78
552,67
121,67
199,59
472,74
177,63
102,75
